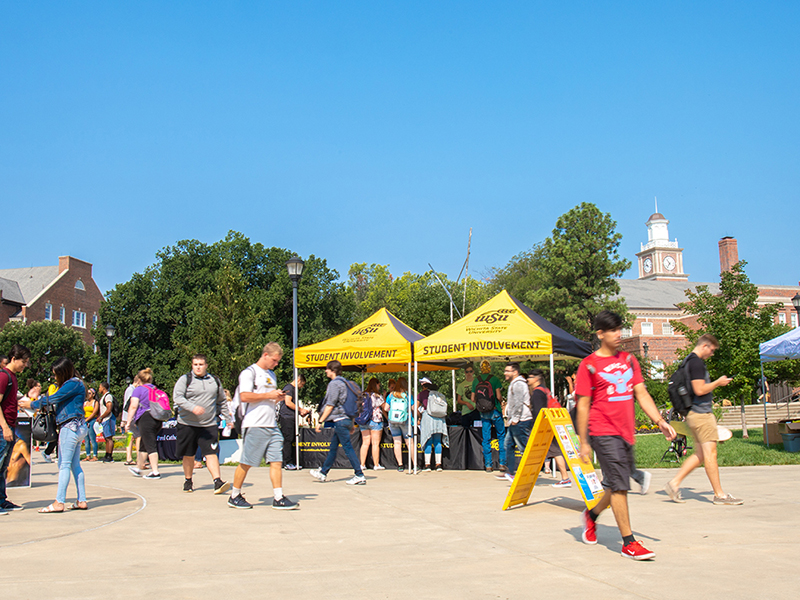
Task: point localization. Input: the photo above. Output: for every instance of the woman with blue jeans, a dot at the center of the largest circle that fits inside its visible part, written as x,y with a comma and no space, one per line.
372,432
433,430
71,420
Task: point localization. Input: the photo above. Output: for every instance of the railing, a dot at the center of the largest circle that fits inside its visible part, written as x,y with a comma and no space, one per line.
660,244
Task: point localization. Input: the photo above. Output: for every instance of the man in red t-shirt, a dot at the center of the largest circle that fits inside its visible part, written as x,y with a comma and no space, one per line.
18,360
606,384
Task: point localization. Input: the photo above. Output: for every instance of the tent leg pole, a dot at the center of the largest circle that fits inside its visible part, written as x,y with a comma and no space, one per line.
416,377
408,391
764,400
552,377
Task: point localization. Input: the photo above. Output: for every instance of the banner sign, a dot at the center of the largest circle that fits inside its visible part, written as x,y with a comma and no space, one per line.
19,466
553,423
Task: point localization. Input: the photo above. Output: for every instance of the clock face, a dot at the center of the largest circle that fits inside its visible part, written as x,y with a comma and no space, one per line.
669,263
648,264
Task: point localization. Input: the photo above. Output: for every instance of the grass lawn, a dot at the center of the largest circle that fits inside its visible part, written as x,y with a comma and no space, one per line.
736,452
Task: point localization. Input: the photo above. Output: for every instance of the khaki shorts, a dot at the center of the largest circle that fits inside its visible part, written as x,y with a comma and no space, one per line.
703,426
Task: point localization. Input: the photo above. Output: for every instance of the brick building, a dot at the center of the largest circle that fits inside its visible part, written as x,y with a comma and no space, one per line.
662,284
65,292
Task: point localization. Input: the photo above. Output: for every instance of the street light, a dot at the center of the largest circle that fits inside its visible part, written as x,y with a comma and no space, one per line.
110,329
796,304
295,267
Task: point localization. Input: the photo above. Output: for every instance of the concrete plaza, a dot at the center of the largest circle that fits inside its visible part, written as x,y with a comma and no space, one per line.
433,535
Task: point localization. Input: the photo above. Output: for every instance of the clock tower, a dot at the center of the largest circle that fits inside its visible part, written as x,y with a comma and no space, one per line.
660,259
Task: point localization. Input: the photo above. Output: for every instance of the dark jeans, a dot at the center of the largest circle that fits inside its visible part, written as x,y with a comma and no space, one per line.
517,435
287,429
341,435
5,458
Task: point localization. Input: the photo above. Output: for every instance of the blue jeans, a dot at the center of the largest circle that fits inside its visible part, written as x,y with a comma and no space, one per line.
517,435
341,435
436,441
5,459
69,461
496,419
91,439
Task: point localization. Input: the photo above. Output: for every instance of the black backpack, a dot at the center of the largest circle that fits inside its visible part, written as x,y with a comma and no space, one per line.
116,406
680,390
484,395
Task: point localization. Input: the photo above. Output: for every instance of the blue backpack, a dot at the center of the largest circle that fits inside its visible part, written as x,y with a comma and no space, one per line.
365,414
354,396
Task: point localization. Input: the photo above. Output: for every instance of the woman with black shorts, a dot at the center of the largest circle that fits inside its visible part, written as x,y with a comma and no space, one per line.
139,414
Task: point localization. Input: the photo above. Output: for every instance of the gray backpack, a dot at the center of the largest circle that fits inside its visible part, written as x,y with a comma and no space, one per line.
437,405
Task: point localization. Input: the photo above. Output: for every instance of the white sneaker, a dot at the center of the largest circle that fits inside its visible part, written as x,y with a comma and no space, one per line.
357,480
46,458
318,475
508,477
646,482
378,468
135,470
363,467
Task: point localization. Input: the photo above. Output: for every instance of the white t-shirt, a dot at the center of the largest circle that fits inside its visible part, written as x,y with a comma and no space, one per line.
106,398
263,413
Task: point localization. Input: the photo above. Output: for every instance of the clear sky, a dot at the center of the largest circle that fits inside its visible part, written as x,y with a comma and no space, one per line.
382,131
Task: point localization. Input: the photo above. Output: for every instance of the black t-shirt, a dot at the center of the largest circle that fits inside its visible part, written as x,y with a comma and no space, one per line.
538,402
697,370
285,411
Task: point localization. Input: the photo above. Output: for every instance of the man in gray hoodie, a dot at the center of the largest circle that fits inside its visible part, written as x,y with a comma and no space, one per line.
200,400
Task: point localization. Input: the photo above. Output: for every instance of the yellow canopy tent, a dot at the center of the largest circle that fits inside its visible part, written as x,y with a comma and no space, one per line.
380,344
501,328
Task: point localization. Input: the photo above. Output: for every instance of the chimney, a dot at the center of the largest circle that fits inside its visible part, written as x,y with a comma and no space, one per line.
728,253
63,263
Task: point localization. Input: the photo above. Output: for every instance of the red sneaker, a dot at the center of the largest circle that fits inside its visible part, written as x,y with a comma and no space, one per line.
589,529
636,551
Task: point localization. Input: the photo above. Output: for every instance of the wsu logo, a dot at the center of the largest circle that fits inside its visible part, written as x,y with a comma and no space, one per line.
368,329
494,316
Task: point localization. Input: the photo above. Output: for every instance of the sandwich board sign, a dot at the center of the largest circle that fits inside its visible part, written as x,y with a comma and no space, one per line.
550,423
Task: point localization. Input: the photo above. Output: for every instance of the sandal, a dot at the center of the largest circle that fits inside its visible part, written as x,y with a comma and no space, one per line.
77,506
129,463
51,509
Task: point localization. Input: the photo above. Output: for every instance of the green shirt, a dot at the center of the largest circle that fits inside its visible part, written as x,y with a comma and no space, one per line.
464,389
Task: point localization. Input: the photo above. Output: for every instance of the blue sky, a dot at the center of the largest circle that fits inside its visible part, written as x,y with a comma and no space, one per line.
381,132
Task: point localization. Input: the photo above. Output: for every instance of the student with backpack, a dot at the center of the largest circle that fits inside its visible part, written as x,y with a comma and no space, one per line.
606,384
487,401
108,419
400,409
370,422
432,425
541,397
340,409
146,412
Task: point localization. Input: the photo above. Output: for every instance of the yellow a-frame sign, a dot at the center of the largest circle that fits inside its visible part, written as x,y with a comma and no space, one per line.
553,422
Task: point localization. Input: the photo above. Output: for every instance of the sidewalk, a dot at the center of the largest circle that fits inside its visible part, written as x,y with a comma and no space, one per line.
433,535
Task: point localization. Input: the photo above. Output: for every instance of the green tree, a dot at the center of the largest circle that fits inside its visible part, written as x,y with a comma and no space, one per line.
49,341
570,276
165,314
734,317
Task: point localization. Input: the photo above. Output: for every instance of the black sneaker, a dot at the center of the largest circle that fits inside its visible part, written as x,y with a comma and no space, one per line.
188,487
108,459
9,506
220,487
284,504
239,502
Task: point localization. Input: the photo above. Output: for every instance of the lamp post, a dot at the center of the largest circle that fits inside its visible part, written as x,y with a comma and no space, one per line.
295,267
110,329
796,304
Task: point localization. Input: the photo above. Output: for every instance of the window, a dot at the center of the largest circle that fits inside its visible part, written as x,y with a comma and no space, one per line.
794,321
48,312
666,328
626,332
647,329
658,369
94,321
62,315
782,318
79,319
79,285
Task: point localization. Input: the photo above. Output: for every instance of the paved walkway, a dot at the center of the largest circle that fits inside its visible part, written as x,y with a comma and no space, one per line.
434,535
